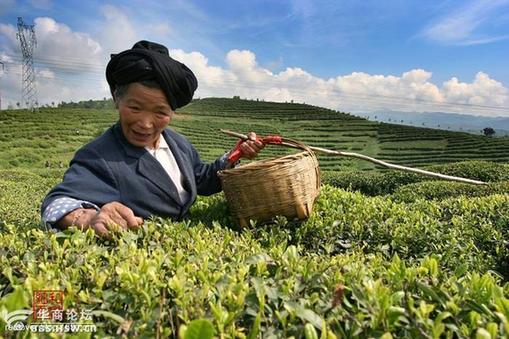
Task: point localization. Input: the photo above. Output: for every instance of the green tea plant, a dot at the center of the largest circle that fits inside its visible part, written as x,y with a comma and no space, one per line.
360,266
387,182
438,190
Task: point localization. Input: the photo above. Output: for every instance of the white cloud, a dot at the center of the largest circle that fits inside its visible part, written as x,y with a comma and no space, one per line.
10,82
117,33
216,80
482,91
243,64
355,92
463,26
45,73
5,58
482,41
8,33
71,50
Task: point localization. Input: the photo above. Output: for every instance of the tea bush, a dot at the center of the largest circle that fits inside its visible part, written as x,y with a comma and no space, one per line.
380,183
480,170
370,183
149,283
360,266
21,194
465,232
438,190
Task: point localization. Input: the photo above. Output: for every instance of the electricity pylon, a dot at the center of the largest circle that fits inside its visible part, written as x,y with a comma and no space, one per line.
27,41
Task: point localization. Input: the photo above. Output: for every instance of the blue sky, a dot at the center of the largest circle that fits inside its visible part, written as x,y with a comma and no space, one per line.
348,55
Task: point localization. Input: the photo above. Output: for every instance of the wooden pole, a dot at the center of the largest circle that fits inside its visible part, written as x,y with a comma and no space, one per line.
373,160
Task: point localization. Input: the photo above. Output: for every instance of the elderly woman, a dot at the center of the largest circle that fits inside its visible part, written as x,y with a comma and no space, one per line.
138,167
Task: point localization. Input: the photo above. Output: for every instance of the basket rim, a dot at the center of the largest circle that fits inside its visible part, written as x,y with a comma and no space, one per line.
268,163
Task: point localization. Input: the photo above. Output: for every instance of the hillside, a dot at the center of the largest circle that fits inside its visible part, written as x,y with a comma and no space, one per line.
66,129
326,128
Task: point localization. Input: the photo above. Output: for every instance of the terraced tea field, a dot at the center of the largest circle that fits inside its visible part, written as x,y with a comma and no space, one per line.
330,129
57,133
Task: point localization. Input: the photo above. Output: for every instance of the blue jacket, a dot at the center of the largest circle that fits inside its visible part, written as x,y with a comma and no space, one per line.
111,169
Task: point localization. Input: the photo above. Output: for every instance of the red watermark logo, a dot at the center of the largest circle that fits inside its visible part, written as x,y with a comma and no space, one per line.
48,304
48,315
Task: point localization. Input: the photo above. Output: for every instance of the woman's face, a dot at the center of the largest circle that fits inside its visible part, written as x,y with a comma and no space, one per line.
144,114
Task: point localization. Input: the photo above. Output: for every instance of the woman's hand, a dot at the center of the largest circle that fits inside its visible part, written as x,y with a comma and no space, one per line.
111,217
251,147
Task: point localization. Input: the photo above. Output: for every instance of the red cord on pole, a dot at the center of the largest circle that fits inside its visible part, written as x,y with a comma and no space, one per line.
272,139
236,154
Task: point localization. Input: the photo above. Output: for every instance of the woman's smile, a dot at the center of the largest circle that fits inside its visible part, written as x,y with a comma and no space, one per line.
141,135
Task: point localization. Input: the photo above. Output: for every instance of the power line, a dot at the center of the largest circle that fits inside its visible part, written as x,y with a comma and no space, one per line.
72,63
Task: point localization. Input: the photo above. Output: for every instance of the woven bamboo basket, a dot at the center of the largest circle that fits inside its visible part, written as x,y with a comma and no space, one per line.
261,190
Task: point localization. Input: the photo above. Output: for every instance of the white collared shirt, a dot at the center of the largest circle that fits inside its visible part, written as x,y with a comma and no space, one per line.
165,157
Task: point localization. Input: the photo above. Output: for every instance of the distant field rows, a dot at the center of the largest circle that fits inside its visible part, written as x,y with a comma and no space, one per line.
62,131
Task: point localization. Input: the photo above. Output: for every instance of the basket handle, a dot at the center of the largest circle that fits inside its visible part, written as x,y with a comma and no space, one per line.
269,139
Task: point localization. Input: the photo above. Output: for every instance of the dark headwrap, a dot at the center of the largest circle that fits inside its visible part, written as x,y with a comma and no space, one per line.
149,60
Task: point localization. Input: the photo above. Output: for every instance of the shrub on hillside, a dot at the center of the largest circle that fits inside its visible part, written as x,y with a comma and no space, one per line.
438,190
152,282
369,183
478,170
21,194
468,232
359,267
380,183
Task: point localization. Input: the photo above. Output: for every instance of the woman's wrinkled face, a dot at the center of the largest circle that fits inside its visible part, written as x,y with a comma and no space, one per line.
144,114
